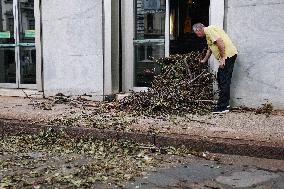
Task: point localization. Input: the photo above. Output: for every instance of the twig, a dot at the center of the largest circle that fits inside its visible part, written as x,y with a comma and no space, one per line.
188,69
213,101
197,77
199,121
32,101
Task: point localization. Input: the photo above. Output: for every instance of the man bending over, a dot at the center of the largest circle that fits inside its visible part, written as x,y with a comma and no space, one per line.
225,52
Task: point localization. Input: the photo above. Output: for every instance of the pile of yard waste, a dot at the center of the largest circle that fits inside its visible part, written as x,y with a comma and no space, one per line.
183,86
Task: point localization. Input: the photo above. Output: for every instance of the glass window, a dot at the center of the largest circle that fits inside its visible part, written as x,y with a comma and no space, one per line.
149,39
7,49
6,23
27,21
28,65
7,65
150,19
145,67
27,40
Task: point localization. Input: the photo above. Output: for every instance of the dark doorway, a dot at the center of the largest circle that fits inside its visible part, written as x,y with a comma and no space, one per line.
183,14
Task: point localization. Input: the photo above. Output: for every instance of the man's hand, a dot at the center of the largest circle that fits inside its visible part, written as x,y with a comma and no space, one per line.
206,58
222,62
202,61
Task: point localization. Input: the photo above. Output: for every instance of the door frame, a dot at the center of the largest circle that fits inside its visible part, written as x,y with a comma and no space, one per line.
216,17
17,48
127,27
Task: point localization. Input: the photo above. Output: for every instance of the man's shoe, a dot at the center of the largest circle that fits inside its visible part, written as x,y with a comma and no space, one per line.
220,111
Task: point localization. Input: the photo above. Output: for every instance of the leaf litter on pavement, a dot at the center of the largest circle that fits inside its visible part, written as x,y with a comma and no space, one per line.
52,160
55,160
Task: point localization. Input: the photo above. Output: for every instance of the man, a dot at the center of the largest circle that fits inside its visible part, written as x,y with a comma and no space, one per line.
225,52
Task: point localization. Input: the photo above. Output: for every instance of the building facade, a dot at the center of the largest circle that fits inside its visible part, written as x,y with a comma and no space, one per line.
103,47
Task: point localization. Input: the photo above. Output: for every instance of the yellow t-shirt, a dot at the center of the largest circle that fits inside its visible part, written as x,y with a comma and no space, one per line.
212,34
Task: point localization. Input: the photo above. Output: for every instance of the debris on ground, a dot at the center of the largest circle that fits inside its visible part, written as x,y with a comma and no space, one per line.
55,160
183,86
61,99
94,115
266,109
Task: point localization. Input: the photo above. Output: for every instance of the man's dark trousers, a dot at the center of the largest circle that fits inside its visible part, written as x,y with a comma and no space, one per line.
224,77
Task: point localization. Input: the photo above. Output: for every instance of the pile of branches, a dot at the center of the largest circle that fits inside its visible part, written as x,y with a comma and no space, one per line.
183,86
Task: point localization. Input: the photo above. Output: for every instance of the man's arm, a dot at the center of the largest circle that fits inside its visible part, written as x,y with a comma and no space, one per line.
207,56
221,46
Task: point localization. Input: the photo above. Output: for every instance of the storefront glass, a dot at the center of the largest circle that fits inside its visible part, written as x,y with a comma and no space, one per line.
27,42
17,47
149,42
7,43
7,65
28,65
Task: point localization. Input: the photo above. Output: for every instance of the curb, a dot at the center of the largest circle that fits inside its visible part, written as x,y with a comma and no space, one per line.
197,143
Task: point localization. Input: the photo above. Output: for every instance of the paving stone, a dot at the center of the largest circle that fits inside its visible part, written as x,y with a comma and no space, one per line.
247,178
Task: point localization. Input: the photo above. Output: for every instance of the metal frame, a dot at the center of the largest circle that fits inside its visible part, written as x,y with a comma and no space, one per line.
167,29
17,52
128,25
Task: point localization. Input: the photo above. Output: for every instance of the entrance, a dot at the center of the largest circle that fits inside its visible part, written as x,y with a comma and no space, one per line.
183,14
163,27
17,44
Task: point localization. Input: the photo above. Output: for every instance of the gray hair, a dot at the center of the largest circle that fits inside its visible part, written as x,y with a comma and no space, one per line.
197,26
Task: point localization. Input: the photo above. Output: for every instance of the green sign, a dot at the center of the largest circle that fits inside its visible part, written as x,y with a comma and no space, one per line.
30,34
5,35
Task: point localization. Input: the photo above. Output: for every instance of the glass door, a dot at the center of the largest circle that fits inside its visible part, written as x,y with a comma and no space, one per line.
7,45
17,44
27,51
149,39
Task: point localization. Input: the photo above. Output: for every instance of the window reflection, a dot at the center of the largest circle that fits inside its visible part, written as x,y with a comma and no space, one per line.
154,4
28,65
146,68
7,65
27,21
7,50
150,35
150,19
154,26
6,22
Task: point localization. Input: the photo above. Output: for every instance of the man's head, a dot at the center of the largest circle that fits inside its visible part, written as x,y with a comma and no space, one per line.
199,29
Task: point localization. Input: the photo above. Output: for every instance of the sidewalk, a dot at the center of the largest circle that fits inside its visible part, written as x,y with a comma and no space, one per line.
242,133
